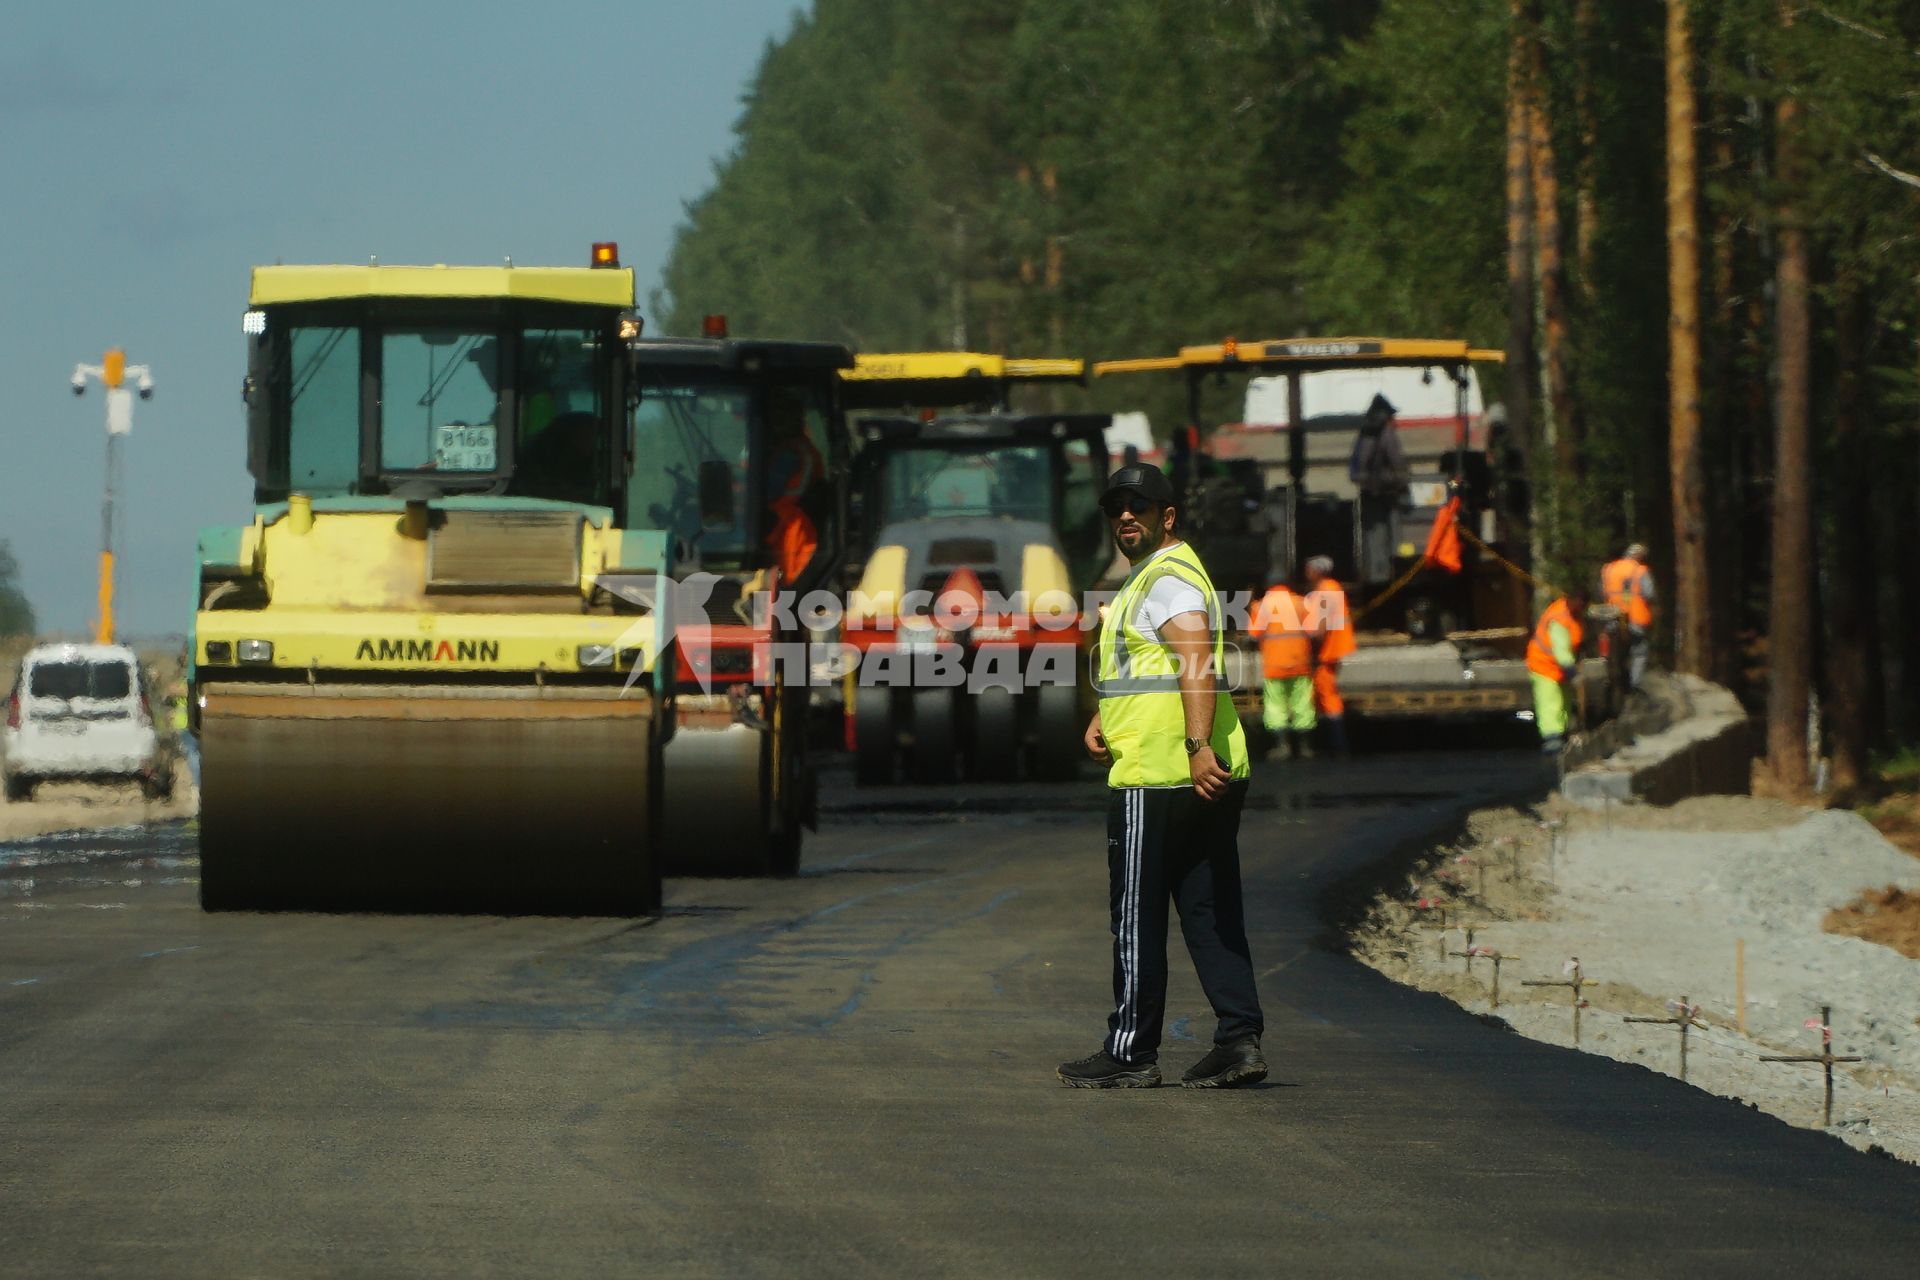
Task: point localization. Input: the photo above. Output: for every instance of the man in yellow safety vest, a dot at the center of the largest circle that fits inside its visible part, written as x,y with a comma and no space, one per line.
1177,773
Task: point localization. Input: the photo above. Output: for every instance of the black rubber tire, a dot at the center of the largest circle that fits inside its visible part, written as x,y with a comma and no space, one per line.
1053,753
787,754
653,836
875,741
930,760
993,746
19,790
783,854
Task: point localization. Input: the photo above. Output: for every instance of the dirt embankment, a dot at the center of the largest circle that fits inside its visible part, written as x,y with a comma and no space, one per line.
1889,916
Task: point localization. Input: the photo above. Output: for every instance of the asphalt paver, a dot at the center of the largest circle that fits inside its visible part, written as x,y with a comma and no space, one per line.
848,1073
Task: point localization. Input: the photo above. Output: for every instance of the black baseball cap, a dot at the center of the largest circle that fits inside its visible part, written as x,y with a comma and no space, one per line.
1144,479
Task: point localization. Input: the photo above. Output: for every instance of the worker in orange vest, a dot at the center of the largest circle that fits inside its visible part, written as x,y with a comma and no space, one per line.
1553,656
1286,662
1333,628
794,467
1627,585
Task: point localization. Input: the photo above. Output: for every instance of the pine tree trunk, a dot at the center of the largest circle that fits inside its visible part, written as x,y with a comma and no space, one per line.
1903,531
1520,335
1789,621
1723,431
1550,263
1853,653
1693,610
1586,213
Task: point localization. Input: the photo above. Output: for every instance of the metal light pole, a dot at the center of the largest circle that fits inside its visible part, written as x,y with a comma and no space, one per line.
113,372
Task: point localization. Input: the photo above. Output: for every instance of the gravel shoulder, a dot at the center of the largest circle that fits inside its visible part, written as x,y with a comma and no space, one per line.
1664,905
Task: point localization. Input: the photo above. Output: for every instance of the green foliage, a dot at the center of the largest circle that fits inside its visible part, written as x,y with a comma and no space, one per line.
904,173
890,184
16,615
1416,238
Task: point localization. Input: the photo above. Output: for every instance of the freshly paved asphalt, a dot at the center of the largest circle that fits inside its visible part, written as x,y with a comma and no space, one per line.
847,1074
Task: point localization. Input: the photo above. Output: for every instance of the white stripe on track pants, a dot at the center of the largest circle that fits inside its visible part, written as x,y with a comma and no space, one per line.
1165,843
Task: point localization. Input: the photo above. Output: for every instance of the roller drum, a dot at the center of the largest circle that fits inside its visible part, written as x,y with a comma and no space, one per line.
509,800
718,799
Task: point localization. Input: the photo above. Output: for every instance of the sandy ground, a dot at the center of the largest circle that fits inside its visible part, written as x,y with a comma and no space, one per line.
74,806
1662,906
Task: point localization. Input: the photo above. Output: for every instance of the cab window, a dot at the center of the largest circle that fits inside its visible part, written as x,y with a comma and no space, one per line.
323,446
677,428
561,444
1082,527
438,401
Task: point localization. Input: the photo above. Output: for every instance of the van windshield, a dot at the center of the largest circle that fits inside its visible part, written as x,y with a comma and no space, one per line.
80,680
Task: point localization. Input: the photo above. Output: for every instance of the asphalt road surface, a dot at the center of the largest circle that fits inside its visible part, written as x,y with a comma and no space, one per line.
847,1074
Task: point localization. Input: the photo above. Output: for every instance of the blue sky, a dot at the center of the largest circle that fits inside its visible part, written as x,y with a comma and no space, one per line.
153,153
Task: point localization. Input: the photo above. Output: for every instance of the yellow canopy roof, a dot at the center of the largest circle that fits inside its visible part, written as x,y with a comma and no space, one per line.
932,366
1307,353
591,286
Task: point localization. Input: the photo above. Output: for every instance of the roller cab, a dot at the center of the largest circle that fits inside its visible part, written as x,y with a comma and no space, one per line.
426,673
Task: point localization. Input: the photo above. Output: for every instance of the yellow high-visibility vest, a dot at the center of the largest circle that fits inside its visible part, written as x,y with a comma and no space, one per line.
1139,686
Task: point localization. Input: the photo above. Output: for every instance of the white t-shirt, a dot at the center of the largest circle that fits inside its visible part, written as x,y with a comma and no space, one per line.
1170,596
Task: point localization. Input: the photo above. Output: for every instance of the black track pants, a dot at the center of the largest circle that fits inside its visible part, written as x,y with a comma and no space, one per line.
1165,842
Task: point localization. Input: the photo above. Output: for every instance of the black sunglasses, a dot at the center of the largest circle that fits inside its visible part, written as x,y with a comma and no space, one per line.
1114,503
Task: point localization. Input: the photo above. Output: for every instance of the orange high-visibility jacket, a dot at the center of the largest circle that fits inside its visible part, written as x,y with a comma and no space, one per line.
1279,624
1540,659
1624,582
794,537
1329,600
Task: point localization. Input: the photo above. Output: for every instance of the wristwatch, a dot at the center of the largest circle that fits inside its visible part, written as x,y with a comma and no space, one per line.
1196,745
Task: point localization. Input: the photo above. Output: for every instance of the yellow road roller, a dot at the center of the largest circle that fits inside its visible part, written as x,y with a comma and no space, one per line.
980,533
744,458
413,684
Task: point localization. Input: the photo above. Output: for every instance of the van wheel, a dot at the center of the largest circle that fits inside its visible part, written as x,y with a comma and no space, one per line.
158,788
19,790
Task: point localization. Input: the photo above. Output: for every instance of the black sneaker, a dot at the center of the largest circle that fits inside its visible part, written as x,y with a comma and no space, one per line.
1103,1071
1227,1065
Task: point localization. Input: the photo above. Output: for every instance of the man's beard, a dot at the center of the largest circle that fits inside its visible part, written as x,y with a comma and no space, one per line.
1152,538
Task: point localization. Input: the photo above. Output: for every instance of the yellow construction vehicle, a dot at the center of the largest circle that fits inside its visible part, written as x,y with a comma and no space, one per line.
1269,485
411,684
913,381
980,532
743,452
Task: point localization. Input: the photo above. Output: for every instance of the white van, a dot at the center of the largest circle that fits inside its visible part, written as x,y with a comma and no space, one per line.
79,712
